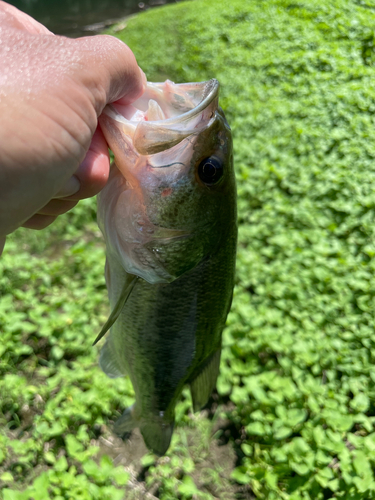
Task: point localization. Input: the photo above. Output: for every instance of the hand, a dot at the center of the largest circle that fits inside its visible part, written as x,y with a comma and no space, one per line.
52,90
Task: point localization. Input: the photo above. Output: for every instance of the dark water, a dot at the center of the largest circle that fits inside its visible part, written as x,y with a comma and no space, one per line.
75,18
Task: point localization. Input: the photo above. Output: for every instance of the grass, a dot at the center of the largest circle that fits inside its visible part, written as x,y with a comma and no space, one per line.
295,402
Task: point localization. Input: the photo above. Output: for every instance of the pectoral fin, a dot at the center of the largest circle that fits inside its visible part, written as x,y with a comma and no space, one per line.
108,363
124,295
202,386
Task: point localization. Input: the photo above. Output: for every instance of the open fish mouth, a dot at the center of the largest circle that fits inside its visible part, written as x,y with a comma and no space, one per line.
164,115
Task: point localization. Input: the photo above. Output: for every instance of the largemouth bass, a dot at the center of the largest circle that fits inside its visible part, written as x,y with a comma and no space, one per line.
168,216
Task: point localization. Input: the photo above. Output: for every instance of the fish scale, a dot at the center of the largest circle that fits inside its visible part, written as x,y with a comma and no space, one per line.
170,278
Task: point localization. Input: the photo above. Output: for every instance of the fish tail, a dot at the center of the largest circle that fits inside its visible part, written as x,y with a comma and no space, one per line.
156,432
157,436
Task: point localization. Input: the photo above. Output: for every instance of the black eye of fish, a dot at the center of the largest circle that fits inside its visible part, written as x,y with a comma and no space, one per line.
210,170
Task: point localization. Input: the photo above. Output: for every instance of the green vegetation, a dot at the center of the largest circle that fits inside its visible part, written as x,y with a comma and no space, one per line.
296,394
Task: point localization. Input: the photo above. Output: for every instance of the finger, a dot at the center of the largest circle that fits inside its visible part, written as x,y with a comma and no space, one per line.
57,207
128,99
39,221
71,186
112,72
93,172
22,20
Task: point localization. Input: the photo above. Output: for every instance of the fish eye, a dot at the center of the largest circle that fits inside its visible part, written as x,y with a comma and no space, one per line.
210,170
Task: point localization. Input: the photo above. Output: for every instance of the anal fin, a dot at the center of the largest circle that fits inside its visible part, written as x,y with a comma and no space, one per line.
204,383
126,422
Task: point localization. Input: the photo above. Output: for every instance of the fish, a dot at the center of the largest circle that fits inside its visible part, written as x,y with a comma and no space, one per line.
168,215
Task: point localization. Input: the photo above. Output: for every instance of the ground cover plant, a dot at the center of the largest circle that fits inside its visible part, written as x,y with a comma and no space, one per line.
295,402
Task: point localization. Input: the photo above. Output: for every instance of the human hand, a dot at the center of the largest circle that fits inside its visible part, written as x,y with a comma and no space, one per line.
52,90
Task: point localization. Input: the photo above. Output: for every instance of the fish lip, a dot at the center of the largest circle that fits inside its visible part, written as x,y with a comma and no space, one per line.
210,92
167,165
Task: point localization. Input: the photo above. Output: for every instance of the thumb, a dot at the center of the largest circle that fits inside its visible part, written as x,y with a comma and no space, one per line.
112,72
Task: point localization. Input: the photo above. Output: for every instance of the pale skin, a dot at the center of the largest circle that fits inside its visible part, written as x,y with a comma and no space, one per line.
52,90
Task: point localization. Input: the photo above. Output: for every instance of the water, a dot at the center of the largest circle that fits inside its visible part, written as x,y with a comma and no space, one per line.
76,18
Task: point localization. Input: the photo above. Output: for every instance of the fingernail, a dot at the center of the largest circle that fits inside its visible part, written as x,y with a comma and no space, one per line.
144,79
71,187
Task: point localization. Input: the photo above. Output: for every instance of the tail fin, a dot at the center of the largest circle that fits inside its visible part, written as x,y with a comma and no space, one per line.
156,431
157,436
